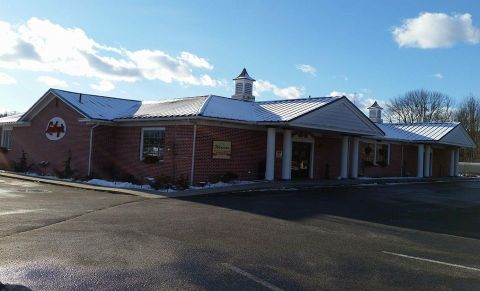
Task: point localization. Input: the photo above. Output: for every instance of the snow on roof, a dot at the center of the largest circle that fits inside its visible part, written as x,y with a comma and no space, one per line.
10,118
108,108
266,111
99,107
417,131
284,110
189,106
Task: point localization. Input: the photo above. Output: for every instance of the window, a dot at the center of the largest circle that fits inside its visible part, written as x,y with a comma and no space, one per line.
6,138
376,154
152,143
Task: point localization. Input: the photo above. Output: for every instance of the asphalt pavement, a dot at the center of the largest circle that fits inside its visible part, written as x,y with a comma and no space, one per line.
376,237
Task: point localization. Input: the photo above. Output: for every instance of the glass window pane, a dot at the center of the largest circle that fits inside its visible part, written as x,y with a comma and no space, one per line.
153,143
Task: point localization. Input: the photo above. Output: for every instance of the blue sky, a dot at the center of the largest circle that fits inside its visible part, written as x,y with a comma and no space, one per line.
151,50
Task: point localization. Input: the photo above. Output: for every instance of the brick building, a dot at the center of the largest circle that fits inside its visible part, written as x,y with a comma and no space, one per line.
204,136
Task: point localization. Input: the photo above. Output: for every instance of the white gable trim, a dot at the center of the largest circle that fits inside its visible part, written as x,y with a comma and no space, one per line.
368,128
42,103
458,136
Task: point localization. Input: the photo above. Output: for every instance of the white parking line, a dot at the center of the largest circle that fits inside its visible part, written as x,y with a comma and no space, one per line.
433,261
252,277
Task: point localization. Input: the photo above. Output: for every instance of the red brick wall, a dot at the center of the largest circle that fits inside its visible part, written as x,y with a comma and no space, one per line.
391,170
177,158
440,162
248,153
33,141
327,155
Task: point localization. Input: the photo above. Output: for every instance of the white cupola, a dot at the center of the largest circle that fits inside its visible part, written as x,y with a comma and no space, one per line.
375,113
244,87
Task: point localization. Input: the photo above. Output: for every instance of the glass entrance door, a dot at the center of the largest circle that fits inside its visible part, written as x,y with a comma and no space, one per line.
301,160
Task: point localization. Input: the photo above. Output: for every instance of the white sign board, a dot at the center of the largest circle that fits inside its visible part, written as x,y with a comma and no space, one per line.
56,129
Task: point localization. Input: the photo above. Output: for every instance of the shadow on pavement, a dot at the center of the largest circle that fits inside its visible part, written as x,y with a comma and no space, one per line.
450,208
13,287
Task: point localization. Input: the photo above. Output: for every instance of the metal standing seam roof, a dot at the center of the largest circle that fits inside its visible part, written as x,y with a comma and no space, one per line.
108,108
116,109
10,119
417,131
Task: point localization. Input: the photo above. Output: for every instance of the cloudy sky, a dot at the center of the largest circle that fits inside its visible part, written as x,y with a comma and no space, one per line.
151,50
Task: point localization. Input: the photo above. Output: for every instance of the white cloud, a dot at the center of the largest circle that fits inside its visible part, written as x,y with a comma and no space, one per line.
291,92
359,99
195,61
40,45
307,69
7,79
436,30
438,76
103,86
52,82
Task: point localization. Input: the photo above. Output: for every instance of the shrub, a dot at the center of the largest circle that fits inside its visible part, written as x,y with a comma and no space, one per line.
130,179
182,183
67,171
22,166
151,160
214,179
162,182
228,177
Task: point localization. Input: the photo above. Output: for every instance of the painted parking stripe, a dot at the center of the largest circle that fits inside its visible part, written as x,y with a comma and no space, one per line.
432,261
252,277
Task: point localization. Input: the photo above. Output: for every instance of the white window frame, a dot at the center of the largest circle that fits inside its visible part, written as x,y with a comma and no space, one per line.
141,138
3,143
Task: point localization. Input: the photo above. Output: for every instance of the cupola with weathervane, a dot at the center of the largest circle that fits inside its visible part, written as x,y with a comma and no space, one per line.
375,113
244,87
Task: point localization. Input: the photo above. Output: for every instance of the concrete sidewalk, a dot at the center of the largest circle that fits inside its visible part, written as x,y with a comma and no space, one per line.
258,185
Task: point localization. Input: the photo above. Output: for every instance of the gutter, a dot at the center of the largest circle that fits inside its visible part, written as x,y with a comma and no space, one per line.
90,152
192,172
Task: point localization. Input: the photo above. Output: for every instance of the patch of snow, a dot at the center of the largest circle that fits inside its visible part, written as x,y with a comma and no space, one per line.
99,182
221,184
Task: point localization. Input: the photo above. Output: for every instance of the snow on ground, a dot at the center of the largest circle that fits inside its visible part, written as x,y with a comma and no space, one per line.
115,184
221,184
127,185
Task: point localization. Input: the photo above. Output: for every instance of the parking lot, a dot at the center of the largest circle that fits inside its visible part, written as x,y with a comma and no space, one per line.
397,236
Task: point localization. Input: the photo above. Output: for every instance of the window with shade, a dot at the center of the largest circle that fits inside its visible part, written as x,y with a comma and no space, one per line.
152,144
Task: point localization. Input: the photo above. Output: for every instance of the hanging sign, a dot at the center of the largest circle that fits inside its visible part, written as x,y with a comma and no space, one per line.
222,150
56,129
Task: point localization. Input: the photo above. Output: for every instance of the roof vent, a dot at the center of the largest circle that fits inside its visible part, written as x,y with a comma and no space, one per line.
244,87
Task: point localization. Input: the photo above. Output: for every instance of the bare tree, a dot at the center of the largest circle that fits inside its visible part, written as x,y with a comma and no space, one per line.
468,114
420,106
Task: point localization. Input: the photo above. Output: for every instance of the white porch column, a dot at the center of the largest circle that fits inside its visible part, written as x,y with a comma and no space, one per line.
287,155
451,171
344,160
420,161
426,170
457,159
270,163
355,157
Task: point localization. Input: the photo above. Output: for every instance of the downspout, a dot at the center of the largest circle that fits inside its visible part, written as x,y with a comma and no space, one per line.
192,172
90,152
402,164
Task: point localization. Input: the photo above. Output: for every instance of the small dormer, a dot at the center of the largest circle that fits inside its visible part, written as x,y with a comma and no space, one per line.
375,113
244,87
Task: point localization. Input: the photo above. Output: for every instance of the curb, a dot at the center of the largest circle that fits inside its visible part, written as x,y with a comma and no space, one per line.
236,188
137,192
